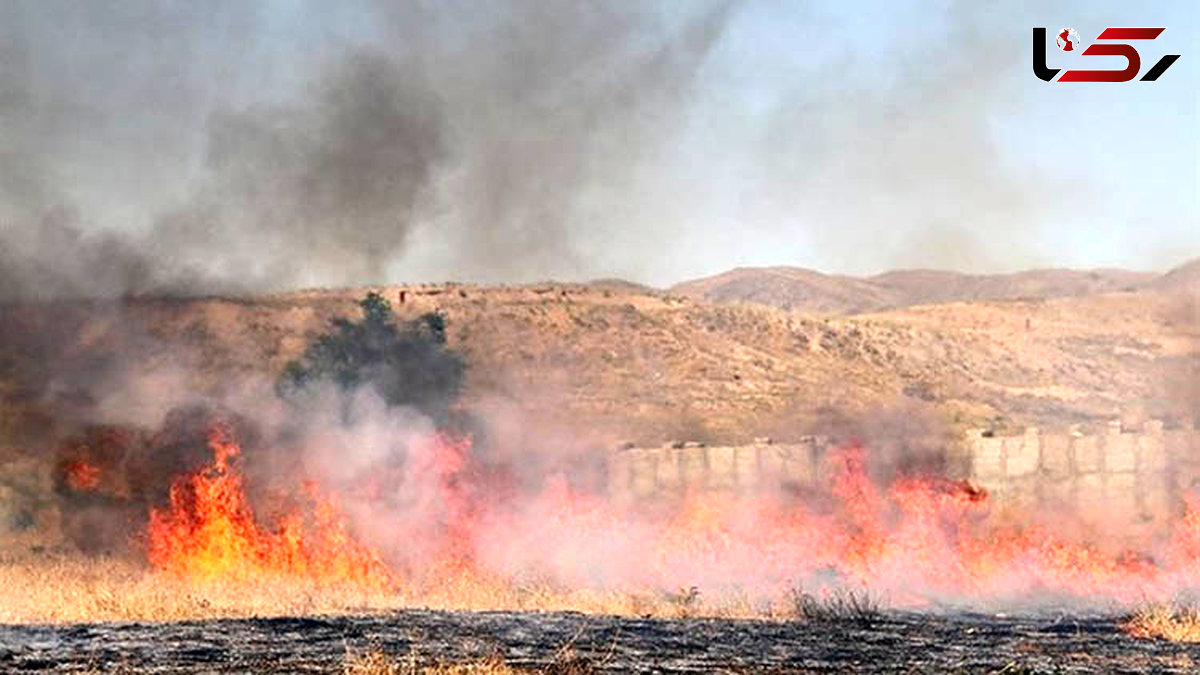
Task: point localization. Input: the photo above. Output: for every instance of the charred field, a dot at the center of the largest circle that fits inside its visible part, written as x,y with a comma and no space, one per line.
579,643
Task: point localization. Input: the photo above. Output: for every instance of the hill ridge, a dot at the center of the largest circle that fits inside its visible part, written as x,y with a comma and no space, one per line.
807,290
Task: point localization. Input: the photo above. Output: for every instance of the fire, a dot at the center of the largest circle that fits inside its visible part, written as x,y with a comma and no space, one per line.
918,541
81,475
209,532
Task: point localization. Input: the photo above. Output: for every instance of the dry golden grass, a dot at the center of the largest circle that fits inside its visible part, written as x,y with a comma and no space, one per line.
77,589
1169,622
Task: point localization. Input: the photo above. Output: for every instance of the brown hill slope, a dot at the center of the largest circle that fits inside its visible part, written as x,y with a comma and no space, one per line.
813,292
599,364
791,288
1184,278
919,287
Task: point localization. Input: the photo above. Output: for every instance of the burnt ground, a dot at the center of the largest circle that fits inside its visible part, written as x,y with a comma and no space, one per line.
895,643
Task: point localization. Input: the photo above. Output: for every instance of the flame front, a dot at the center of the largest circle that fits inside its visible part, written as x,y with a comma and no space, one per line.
918,541
209,532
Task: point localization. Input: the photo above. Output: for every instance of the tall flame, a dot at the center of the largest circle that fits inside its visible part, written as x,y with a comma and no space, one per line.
210,532
918,541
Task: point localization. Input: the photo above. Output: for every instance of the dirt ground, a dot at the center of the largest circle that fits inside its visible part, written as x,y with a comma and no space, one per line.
894,643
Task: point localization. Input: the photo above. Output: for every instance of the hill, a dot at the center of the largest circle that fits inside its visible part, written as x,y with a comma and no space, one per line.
550,362
1185,278
810,291
791,288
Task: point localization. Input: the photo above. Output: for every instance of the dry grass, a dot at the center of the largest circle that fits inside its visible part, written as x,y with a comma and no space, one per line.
77,589
378,663
858,607
1177,623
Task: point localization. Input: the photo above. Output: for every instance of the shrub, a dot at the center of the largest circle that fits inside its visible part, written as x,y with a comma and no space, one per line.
406,363
840,606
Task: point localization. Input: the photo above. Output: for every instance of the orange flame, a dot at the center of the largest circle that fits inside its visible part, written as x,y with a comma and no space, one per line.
918,541
209,532
81,475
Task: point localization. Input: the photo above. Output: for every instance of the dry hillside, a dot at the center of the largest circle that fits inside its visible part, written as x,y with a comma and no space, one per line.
608,362
810,291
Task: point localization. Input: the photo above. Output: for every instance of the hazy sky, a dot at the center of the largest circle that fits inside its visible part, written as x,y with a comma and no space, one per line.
148,145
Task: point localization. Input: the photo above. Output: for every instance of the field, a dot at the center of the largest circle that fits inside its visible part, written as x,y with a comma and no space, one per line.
411,640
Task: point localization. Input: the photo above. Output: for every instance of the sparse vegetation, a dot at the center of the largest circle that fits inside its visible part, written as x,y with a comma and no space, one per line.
638,360
1177,623
685,601
842,605
376,662
73,589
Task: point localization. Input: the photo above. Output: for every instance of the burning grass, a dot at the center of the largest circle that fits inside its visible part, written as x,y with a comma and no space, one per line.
62,589
918,542
210,532
1168,621
857,607
76,589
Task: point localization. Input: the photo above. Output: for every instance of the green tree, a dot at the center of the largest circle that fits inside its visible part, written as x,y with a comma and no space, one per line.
406,363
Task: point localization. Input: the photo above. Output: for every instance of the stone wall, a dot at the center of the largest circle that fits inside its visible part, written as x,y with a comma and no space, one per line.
672,470
1140,476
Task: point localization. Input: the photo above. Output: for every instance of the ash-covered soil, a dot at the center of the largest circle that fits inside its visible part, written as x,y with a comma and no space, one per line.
896,643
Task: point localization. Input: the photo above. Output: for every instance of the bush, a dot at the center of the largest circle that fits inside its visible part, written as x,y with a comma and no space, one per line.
406,363
841,606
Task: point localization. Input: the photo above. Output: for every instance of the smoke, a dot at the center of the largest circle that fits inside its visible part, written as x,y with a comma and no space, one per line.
324,190
521,504
903,160
154,148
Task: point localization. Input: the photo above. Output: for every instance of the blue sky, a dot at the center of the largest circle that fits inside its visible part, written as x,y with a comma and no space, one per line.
1118,161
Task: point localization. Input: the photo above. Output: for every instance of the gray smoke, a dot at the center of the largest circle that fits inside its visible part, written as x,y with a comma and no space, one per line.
150,146
323,191
153,147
